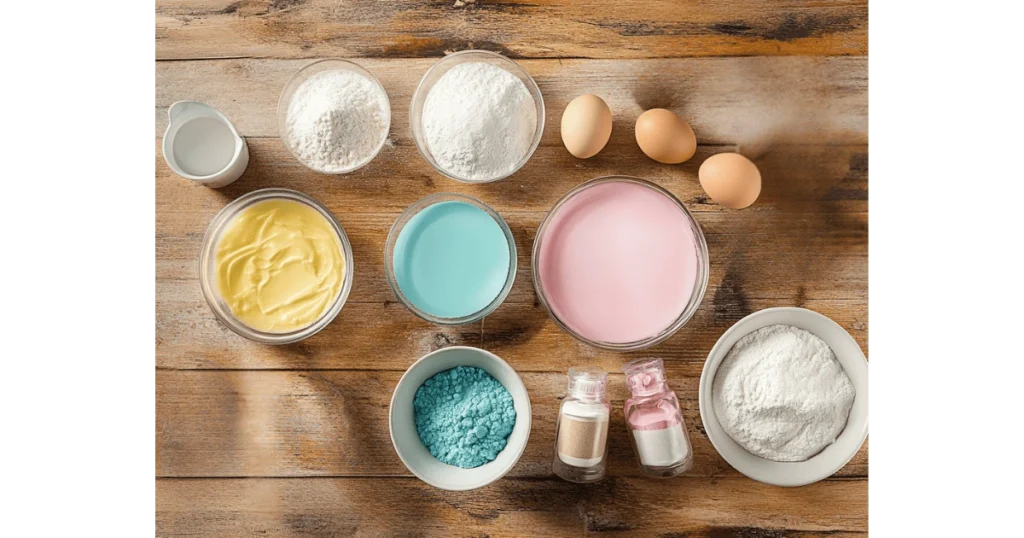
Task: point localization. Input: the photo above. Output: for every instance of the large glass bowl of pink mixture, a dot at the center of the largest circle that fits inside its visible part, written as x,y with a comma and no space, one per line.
684,314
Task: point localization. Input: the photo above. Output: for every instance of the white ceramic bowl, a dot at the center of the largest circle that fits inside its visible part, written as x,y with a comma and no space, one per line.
407,442
834,456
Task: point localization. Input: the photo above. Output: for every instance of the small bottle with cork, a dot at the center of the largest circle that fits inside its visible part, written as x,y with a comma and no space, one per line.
581,435
655,421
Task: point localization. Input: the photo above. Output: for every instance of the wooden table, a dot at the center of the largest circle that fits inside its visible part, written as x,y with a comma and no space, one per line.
261,440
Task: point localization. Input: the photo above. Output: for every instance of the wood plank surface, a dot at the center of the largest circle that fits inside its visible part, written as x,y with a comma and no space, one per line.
388,337
688,506
293,424
190,29
756,102
809,245
802,180
293,440
806,237
793,268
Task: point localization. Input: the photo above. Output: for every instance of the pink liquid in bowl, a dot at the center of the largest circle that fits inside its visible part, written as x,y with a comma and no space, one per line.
618,262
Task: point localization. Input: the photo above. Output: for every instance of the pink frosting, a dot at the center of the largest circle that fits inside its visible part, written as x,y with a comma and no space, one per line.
618,262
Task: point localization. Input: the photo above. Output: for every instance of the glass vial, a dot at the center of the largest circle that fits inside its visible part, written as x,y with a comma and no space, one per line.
581,435
655,421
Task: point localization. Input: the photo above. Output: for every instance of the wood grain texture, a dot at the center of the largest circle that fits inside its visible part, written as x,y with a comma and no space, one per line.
388,337
787,265
755,102
688,506
817,261
292,441
801,182
804,243
190,29
294,424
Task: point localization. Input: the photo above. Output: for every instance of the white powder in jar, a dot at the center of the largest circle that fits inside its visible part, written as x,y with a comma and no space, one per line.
479,121
336,120
781,394
662,448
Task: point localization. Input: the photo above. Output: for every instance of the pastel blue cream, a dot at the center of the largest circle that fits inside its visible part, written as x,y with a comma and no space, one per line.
451,259
464,416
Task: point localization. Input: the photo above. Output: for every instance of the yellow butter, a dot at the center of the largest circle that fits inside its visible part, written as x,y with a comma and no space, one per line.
279,265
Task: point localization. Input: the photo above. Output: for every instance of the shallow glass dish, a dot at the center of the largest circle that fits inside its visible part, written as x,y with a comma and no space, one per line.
303,75
437,71
208,267
700,284
396,230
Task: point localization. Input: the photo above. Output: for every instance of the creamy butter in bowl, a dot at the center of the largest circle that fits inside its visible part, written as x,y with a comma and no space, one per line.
275,266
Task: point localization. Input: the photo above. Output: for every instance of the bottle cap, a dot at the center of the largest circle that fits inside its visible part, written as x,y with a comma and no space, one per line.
587,382
645,376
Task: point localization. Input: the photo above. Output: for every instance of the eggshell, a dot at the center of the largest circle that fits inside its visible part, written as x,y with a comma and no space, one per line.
730,179
665,137
586,125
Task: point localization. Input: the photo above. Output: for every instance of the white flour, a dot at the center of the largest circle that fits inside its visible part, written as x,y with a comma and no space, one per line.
336,120
479,121
781,394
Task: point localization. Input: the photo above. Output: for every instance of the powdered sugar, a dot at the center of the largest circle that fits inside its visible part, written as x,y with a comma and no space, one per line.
781,394
479,121
336,120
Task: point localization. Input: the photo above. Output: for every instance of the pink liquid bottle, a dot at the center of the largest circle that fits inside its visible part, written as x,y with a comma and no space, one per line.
655,421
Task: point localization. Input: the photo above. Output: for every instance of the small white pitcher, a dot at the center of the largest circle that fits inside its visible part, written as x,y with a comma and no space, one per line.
201,144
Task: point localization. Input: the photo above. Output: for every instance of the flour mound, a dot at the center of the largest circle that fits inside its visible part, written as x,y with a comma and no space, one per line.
336,120
781,394
479,121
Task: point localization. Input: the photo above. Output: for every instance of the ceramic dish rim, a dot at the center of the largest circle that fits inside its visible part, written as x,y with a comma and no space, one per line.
528,417
785,474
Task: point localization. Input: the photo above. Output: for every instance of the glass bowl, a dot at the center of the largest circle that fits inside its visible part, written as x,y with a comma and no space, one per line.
437,71
396,230
303,75
700,284
208,267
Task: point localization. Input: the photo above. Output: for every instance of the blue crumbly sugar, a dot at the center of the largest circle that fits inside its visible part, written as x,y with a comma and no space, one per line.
463,416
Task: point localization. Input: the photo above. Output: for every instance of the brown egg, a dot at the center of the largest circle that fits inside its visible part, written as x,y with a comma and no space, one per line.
665,137
586,125
730,179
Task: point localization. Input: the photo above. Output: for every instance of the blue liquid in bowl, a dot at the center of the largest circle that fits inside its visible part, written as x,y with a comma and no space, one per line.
451,260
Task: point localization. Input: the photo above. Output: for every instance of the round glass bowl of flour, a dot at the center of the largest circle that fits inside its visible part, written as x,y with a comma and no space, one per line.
333,116
620,263
297,252
477,116
853,363
450,259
